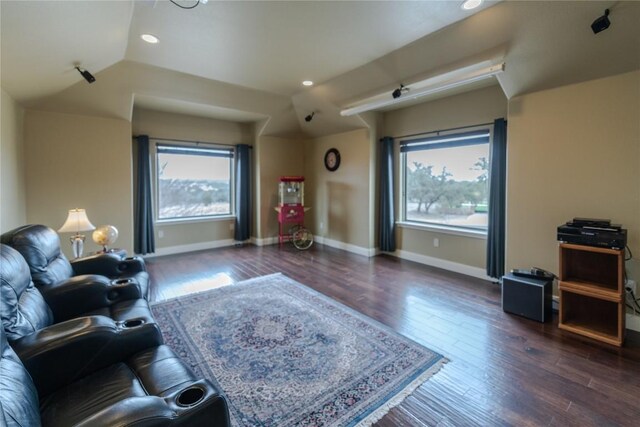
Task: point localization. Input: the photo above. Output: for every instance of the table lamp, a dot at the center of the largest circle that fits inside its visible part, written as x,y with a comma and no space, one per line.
76,222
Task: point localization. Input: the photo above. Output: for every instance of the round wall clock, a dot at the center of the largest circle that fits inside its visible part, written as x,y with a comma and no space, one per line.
332,159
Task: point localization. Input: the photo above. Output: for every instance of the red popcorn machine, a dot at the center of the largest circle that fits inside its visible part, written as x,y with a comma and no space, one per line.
291,212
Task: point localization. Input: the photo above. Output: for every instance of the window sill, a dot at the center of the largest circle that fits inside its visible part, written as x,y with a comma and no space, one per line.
175,221
456,231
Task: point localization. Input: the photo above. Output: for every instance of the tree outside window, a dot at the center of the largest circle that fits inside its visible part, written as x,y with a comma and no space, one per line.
447,184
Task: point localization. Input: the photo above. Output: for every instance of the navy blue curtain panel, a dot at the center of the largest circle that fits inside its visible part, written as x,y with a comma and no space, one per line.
387,227
243,193
497,199
144,240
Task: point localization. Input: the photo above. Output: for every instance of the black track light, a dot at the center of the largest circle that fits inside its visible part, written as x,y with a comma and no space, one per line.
601,23
87,75
397,93
310,117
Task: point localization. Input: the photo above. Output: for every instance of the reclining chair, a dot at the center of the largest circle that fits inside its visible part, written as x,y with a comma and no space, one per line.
26,313
149,388
91,370
40,247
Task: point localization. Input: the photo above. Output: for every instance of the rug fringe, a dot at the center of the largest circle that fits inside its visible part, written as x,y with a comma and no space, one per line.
383,410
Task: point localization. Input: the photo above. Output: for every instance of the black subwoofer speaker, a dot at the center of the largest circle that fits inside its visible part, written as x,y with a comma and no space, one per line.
530,298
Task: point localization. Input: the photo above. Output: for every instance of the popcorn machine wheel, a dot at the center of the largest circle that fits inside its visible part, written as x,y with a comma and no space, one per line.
291,213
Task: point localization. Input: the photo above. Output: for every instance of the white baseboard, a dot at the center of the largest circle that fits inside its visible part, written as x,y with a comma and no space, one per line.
457,267
632,322
368,252
179,249
264,241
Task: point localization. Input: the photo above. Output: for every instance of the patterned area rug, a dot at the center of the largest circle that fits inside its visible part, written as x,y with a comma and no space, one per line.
286,355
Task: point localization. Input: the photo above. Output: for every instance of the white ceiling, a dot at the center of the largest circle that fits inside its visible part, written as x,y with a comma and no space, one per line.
244,61
265,45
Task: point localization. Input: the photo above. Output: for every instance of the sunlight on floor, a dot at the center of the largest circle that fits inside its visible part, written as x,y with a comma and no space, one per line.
217,281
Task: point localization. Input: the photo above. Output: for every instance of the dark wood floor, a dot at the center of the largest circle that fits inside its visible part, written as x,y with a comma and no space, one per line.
504,370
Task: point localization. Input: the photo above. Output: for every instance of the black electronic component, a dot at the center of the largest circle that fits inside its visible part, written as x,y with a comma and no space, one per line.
527,297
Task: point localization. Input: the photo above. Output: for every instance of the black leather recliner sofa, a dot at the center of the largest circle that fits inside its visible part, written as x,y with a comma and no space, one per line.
90,370
40,247
149,388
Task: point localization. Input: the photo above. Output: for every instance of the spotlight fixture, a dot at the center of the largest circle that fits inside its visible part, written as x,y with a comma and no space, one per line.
87,75
601,23
307,83
310,117
430,86
399,91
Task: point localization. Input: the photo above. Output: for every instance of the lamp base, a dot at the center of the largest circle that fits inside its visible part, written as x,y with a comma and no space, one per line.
77,244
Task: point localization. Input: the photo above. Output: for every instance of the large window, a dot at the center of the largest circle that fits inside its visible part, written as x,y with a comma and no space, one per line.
446,180
193,182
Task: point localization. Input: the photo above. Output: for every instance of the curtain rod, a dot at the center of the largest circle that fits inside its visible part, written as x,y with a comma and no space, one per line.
191,142
441,130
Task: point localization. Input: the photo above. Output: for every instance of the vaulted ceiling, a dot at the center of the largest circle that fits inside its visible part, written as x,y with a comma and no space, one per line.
245,61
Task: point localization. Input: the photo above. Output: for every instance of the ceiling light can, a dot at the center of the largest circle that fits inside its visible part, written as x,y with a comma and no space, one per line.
307,83
149,38
471,4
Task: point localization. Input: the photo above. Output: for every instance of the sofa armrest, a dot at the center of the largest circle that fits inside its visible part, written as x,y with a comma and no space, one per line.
108,264
82,294
62,353
210,410
149,411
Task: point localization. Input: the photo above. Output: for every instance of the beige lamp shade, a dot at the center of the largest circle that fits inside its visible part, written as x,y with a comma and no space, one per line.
76,221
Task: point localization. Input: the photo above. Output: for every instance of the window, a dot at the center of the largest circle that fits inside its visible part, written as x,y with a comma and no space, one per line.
193,182
445,180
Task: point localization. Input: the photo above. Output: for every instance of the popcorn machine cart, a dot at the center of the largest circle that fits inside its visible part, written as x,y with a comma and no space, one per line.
291,212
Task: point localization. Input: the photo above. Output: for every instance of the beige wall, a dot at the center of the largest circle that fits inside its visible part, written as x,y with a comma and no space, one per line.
13,208
76,161
275,157
189,128
572,151
340,200
476,107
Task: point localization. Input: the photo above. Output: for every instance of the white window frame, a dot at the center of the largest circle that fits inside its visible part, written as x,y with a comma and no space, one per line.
155,183
434,226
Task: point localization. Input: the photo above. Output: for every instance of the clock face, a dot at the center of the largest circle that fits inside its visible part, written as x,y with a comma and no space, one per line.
332,159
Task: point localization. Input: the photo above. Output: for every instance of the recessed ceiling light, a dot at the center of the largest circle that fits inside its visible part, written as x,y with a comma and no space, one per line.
149,38
307,83
471,4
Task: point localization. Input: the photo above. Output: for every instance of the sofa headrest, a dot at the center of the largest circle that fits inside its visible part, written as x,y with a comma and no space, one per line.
40,247
22,307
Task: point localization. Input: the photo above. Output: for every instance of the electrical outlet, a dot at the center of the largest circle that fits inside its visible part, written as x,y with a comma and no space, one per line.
632,284
436,242
322,226
160,234
232,226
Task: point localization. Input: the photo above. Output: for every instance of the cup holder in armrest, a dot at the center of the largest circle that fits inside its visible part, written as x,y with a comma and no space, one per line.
133,323
122,281
129,258
190,396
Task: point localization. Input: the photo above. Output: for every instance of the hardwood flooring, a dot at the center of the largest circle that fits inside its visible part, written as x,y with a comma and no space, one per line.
503,369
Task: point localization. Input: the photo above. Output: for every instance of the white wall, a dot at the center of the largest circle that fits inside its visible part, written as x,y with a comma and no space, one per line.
275,157
181,236
13,209
573,151
75,161
467,109
339,200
